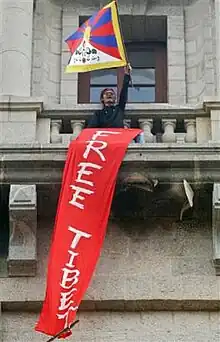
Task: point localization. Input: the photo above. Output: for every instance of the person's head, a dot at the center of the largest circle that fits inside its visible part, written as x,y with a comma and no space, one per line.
108,97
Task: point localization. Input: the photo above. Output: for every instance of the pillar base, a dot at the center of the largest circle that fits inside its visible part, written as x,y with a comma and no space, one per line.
22,254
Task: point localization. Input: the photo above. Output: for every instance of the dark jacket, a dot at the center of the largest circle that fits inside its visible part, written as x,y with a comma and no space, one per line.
112,117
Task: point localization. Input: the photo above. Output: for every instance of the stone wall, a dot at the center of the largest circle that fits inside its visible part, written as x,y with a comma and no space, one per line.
157,259
15,47
46,71
69,91
200,72
176,59
189,42
122,327
152,280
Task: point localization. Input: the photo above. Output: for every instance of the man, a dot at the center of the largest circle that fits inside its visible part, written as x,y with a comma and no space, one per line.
111,115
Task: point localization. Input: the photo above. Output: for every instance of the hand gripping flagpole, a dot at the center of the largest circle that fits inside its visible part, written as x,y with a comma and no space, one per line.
125,51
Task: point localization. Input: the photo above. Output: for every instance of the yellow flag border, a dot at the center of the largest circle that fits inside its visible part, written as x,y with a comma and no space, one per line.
106,65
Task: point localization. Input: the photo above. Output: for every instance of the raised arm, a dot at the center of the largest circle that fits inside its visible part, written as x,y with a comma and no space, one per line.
124,91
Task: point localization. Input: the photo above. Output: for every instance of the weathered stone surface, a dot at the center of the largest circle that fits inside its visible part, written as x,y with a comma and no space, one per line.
156,259
203,129
217,45
16,46
200,64
22,257
215,125
123,327
43,164
18,119
47,46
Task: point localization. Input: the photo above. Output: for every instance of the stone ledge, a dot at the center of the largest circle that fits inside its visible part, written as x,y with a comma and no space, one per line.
211,103
22,268
124,306
43,164
130,106
120,289
18,103
12,150
157,110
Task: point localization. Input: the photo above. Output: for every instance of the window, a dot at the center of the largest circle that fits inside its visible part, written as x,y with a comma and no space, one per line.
102,79
149,79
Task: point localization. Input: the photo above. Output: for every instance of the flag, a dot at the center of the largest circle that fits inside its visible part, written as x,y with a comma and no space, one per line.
98,43
89,179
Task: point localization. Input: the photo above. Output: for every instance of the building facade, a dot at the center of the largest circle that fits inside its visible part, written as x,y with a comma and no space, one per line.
158,275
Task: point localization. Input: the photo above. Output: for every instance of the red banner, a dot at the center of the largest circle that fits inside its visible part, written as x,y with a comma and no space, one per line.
88,185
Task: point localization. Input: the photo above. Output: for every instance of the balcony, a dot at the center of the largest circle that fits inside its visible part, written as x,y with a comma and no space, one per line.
180,143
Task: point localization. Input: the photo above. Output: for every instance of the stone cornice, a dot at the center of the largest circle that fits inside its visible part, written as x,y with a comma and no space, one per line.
119,305
212,103
83,111
17,103
168,162
153,149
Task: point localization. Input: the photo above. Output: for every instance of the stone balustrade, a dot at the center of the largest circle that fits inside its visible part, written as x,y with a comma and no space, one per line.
55,127
167,134
159,125
146,126
28,120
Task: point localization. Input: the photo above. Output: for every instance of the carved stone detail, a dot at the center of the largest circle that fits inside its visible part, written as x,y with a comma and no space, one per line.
147,125
77,127
169,126
22,254
216,227
190,126
55,127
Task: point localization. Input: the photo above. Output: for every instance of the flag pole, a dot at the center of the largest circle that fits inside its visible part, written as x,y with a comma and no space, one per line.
125,51
63,331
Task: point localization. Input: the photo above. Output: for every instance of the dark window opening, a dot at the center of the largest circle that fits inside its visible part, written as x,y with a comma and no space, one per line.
4,220
149,76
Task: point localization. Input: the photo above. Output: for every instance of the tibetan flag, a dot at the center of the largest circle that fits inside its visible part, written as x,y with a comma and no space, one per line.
98,43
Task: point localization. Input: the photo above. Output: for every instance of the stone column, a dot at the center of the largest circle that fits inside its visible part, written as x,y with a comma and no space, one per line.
55,127
16,46
147,125
22,251
217,42
190,126
77,127
169,126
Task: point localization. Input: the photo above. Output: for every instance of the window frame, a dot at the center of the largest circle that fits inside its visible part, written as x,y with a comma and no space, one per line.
160,50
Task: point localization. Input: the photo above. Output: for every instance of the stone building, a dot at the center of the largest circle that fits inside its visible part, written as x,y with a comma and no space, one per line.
157,278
